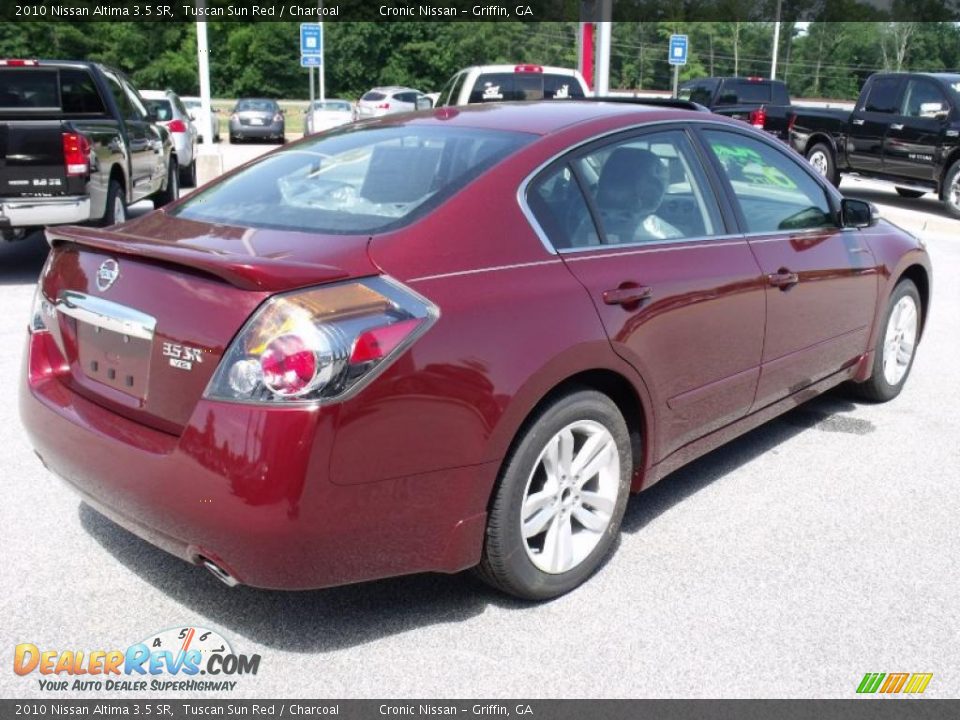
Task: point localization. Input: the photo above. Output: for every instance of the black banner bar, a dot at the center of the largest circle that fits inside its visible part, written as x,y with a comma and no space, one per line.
477,10
856,709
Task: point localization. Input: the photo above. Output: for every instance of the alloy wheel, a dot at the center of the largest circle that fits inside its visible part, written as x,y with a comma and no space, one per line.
570,496
119,210
820,163
900,340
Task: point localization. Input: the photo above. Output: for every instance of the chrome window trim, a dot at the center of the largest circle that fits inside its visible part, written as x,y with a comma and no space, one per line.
538,230
106,314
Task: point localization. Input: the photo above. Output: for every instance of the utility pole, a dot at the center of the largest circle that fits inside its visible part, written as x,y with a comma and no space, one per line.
601,85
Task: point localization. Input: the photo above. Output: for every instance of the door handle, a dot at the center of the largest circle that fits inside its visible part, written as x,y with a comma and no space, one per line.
628,293
896,126
857,121
783,279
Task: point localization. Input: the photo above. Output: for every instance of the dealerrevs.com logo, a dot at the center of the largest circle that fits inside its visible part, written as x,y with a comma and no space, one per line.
170,661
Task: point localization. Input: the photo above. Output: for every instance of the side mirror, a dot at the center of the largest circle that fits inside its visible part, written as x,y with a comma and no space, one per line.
193,116
858,213
424,103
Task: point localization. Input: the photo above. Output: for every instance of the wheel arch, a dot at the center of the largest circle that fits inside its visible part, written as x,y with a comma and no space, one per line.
821,137
918,275
952,157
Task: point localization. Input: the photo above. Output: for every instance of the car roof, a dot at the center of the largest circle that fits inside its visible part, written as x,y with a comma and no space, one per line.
392,88
547,116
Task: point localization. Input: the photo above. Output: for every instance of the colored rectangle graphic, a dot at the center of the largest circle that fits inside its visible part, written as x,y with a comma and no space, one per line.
894,683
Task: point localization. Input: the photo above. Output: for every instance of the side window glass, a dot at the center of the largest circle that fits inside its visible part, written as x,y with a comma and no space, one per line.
883,96
120,96
457,88
650,188
139,111
78,94
774,192
561,211
923,99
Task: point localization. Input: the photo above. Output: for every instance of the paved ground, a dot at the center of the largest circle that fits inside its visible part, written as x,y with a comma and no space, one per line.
809,552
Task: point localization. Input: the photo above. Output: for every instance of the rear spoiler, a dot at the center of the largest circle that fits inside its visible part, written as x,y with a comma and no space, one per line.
655,102
260,273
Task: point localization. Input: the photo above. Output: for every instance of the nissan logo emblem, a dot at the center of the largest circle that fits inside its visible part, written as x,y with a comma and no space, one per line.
107,274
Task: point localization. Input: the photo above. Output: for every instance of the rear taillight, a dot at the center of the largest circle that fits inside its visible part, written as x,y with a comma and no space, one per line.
791,121
528,69
234,116
383,106
320,344
18,63
76,153
177,126
758,118
278,118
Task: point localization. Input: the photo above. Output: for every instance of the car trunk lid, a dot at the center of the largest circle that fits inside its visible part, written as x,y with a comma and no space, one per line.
145,312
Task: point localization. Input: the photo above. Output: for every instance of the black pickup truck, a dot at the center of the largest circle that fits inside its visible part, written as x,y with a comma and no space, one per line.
904,129
763,103
77,145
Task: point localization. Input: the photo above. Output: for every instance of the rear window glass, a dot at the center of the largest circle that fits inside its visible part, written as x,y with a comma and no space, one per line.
335,105
257,105
373,96
502,87
702,93
26,89
356,181
161,107
737,93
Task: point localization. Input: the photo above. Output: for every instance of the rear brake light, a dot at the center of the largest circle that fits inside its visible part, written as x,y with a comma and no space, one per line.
791,121
754,78
758,118
320,344
76,154
278,118
383,106
528,69
19,63
177,126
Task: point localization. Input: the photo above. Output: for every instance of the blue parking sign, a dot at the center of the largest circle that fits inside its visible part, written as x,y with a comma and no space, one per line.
311,39
678,50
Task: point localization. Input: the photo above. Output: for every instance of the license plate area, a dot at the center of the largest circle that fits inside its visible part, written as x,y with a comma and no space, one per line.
115,359
256,121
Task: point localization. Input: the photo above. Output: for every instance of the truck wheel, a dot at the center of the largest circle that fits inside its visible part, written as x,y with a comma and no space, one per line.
188,175
950,193
821,157
116,209
172,191
908,193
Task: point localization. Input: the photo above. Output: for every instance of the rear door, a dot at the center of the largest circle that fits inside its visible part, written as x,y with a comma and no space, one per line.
870,121
821,280
915,136
637,221
141,144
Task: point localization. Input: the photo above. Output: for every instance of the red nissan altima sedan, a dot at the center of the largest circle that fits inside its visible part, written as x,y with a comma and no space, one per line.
455,339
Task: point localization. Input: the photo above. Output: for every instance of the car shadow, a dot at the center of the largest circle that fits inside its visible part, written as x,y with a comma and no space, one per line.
22,260
337,618
928,203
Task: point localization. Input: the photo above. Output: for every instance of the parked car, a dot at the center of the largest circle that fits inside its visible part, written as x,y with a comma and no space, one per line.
763,103
195,106
77,144
389,100
174,116
904,129
327,114
455,340
499,83
257,118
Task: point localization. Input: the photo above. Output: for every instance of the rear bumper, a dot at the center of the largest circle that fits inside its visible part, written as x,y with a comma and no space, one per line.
256,131
38,212
247,488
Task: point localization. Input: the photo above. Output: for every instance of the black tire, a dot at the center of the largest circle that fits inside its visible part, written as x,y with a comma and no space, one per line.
116,205
171,190
506,563
829,168
908,193
877,388
234,140
950,193
188,175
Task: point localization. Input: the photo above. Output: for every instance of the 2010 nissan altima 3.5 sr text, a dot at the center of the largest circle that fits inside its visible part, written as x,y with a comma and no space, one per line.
455,339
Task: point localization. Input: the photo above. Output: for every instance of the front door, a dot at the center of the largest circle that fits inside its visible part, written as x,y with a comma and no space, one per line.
914,138
821,278
636,220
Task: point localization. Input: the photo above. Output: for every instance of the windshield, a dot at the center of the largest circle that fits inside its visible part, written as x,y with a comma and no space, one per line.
355,181
256,106
337,105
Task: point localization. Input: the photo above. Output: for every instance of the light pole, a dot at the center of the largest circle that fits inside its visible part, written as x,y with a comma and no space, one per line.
776,44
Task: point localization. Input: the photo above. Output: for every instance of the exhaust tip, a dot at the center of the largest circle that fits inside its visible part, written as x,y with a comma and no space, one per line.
219,573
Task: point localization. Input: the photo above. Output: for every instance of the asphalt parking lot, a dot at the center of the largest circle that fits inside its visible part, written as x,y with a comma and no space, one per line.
813,550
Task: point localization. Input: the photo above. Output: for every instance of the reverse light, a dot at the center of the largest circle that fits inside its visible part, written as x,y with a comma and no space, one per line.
41,312
177,126
322,343
76,153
